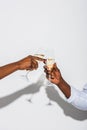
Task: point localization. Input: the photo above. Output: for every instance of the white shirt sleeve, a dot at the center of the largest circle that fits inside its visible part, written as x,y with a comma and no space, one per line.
78,99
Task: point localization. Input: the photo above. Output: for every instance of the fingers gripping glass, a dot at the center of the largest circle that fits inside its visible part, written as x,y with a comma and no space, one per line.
27,75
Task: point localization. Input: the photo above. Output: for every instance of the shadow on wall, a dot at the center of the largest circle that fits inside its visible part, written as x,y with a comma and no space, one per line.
68,109
30,89
52,94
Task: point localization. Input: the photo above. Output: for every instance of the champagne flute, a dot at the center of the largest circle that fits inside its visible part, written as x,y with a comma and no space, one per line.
50,60
49,63
28,74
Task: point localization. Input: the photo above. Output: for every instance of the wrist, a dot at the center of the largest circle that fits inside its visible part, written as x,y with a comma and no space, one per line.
61,82
17,65
64,87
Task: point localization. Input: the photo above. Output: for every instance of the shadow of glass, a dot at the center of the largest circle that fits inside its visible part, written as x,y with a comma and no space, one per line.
68,109
30,89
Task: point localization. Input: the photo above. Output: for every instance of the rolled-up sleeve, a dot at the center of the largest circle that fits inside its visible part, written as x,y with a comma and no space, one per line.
78,99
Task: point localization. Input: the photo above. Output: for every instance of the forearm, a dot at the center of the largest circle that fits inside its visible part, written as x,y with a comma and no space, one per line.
8,69
64,87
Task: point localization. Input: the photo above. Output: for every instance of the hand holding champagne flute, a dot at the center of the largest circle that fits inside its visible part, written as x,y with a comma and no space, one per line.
38,58
34,62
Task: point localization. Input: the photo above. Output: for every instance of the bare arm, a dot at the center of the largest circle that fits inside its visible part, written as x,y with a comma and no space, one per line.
27,63
8,69
64,87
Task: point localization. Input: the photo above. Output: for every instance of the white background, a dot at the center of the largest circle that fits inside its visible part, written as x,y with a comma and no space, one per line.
26,25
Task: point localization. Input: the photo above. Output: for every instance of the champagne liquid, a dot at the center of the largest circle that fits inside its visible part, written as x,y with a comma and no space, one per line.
50,63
